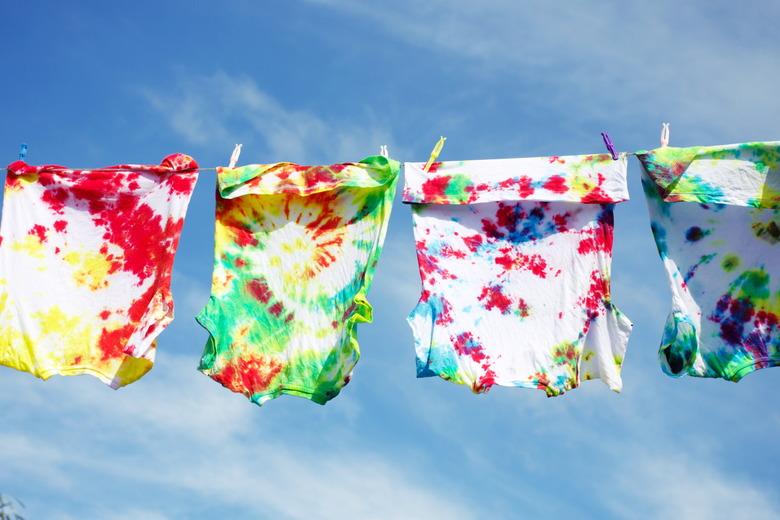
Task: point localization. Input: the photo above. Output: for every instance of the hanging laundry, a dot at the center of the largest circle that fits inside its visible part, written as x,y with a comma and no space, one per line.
715,219
295,254
514,256
85,266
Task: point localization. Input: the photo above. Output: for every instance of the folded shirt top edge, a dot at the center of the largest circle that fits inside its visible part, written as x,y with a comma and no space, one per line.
174,163
587,179
742,174
304,180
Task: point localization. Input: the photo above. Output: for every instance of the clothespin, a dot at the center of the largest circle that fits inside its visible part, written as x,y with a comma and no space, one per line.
609,145
234,156
664,135
22,151
434,153
383,151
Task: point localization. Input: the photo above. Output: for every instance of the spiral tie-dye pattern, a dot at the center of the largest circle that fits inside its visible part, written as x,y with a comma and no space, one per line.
714,214
295,252
85,266
514,256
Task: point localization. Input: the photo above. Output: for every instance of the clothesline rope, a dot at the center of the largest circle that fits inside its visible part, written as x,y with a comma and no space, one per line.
383,151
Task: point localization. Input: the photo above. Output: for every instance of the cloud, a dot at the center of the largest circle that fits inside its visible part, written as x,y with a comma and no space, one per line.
705,65
217,110
183,433
679,487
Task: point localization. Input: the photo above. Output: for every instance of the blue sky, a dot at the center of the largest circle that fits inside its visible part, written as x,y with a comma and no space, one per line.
324,81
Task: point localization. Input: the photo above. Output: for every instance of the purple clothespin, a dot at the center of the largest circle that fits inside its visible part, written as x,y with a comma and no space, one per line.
609,145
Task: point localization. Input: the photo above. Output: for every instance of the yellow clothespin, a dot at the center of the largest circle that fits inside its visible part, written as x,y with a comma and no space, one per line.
434,153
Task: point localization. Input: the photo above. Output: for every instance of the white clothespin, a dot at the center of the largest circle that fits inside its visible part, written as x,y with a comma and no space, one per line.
664,135
234,156
383,151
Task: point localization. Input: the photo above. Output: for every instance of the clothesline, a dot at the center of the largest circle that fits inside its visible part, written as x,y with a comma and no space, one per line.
383,151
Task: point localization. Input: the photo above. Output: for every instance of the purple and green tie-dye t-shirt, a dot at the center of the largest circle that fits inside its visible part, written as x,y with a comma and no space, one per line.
714,213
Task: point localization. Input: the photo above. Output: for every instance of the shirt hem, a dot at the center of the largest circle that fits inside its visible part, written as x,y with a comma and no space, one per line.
750,367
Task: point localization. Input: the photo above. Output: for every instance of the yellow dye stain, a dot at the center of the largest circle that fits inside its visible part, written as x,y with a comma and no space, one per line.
65,332
222,281
91,269
21,182
15,346
30,245
582,185
55,322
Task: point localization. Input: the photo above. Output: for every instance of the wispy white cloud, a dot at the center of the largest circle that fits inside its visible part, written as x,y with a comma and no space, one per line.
240,463
217,110
705,65
666,486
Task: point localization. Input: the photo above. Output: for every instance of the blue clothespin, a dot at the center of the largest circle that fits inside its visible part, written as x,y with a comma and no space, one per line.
22,151
609,145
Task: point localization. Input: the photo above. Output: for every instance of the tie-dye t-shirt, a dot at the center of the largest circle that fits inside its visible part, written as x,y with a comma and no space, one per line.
85,266
715,219
295,253
514,256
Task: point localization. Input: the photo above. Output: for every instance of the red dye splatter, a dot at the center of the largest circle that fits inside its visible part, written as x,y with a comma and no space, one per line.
434,167
466,345
239,262
444,316
766,318
38,231
473,242
244,238
60,225
511,259
146,242
556,159
429,264
55,198
491,230
433,189
596,239
276,309
598,294
508,216
597,195
449,252
524,186
522,306
259,289
104,315
112,343
318,175
541,380
486,380
556,184
494,298
561,221
176,184
249,376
